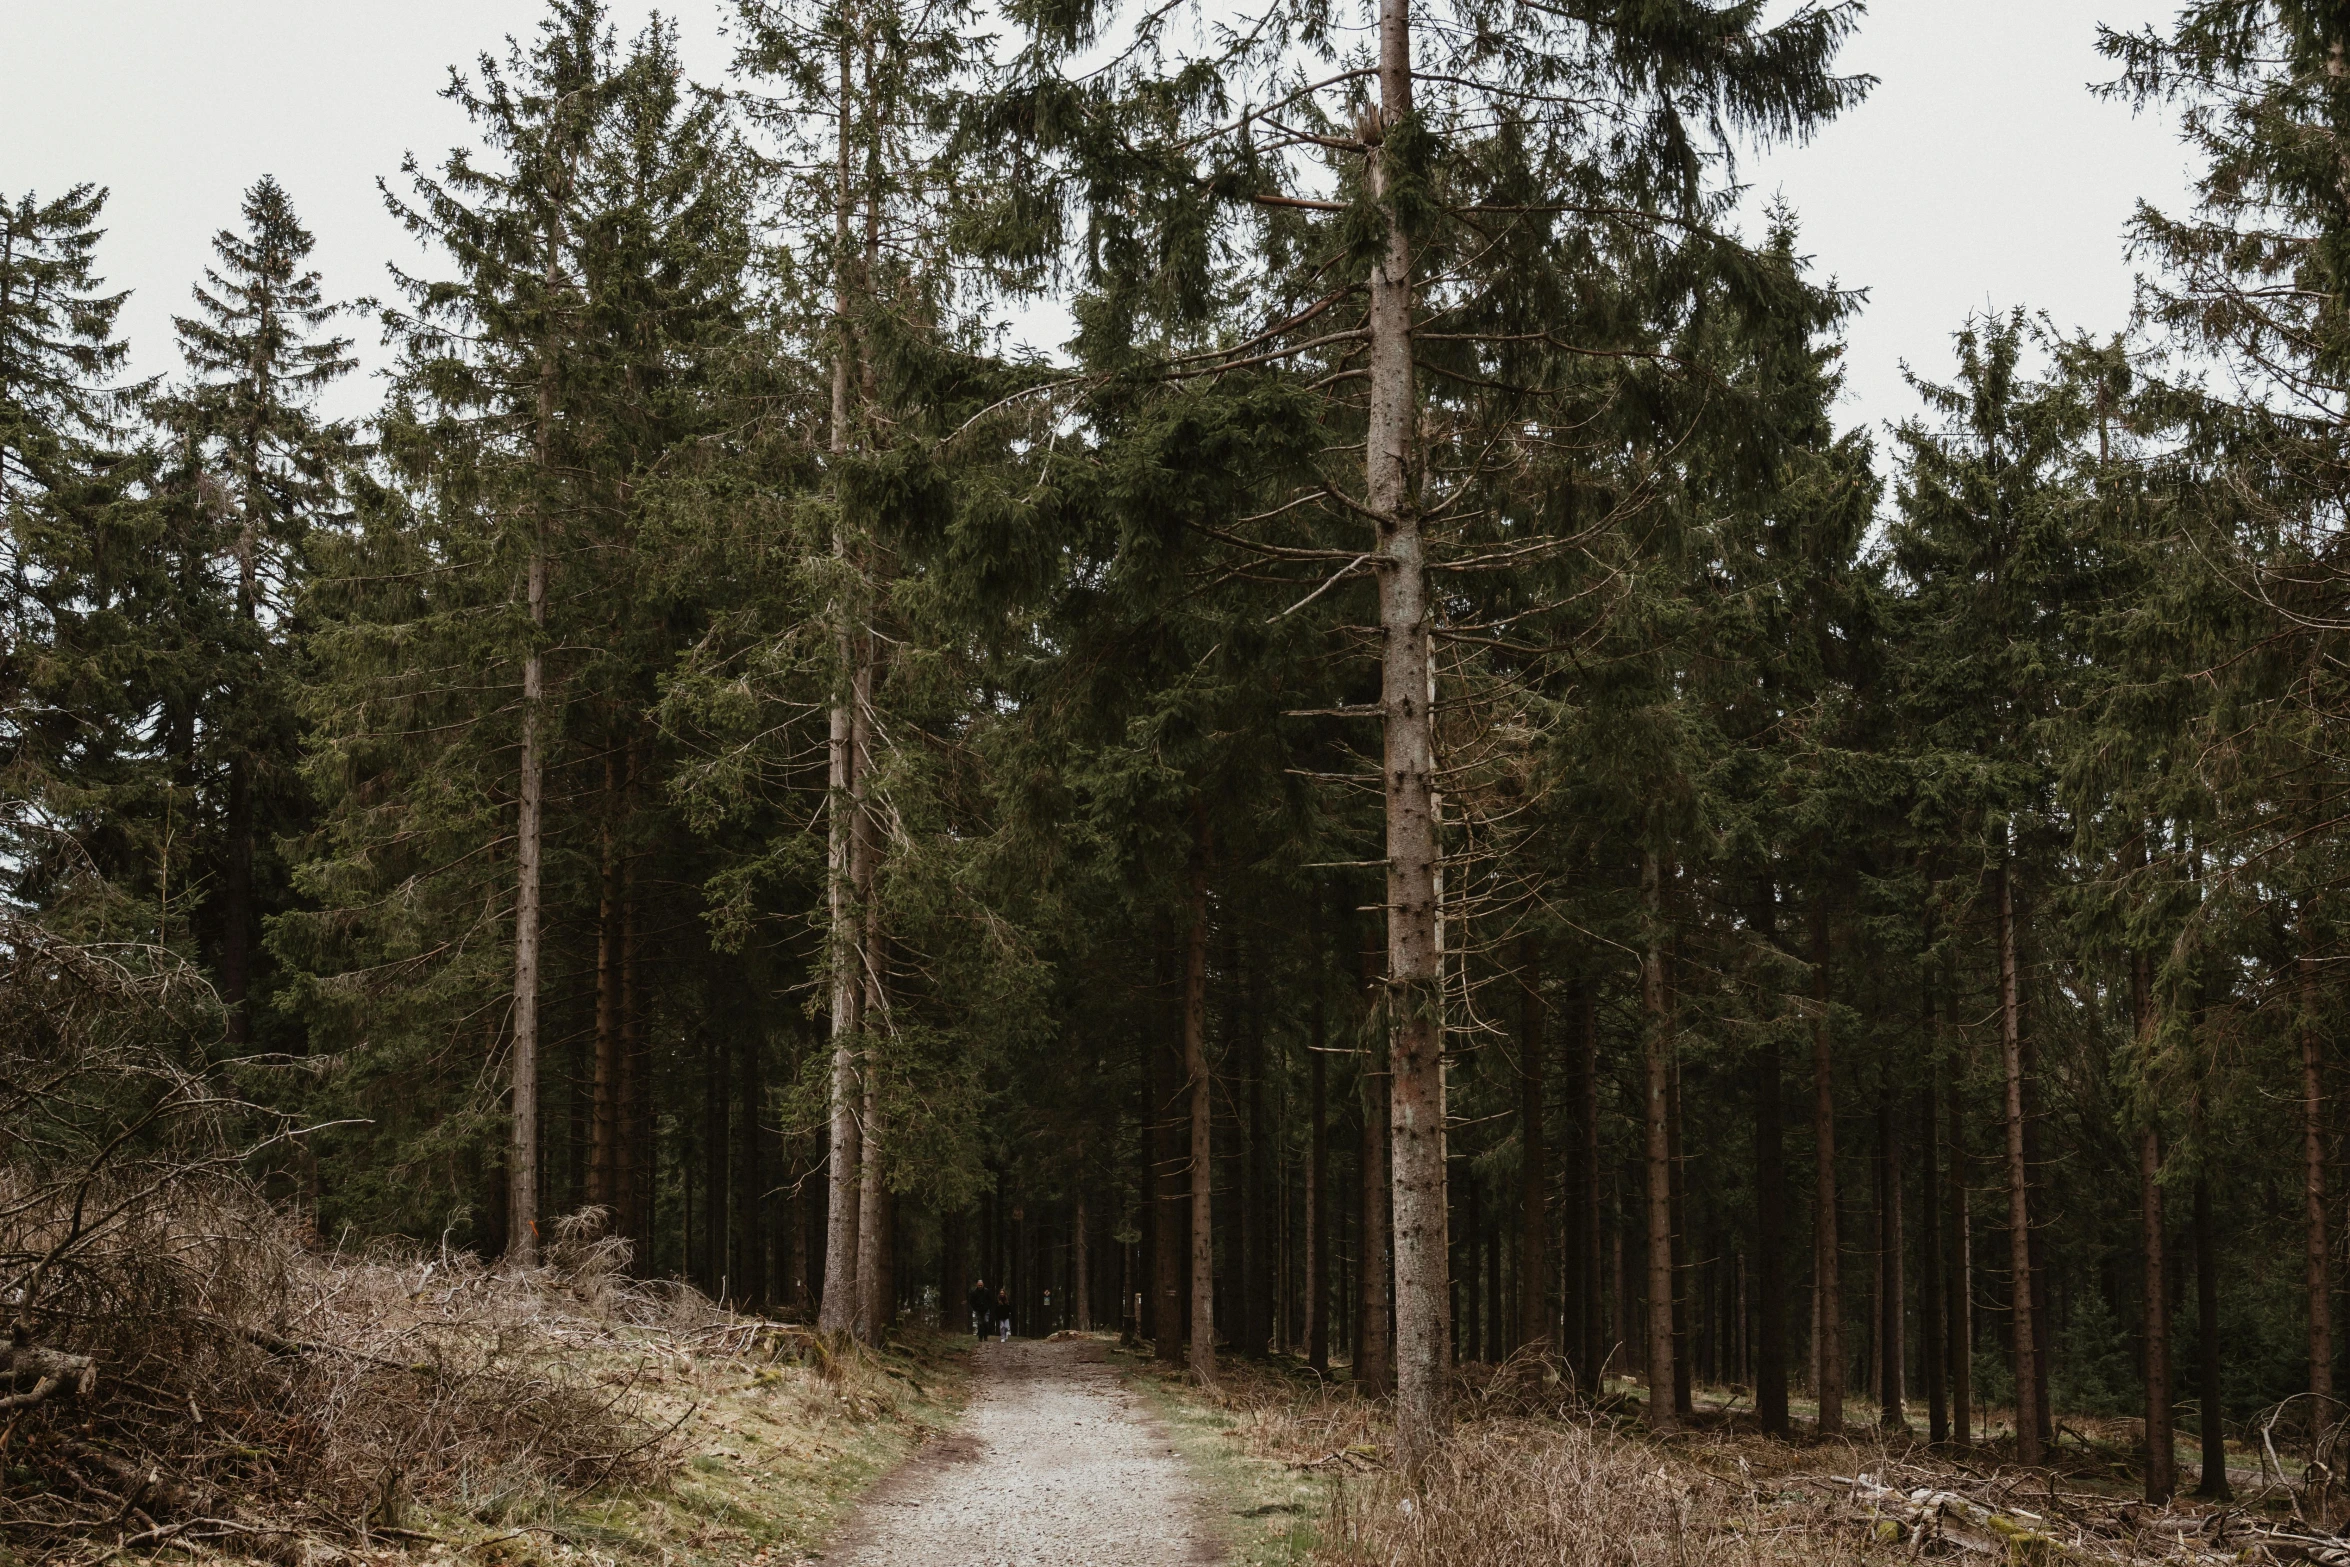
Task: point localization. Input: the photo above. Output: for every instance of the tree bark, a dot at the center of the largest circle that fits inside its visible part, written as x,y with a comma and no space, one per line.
1414,976
604,1157
1932,1347
1317,1248
2214,1484
1656,1061
876,1289
1534,1160
522,1154
844,799
1595,1339
2161,1455
1892,1351
1375,1267
1770,1213
2019,1209
1170,1219
2319,1269
1200,1091
1828,1298
1959,1331
1254,1339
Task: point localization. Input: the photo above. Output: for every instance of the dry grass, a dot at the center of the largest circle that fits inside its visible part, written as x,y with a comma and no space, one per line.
256,1397
1531,1475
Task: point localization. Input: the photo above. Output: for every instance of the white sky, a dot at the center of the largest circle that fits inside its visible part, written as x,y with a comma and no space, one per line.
1981,174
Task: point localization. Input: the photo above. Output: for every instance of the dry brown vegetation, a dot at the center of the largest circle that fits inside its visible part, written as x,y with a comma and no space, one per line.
1533,1475
183,1367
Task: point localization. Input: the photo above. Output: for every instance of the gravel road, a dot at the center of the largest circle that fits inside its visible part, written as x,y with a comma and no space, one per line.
1055,1464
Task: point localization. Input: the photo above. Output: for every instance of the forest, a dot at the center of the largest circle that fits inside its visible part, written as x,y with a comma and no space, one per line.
1411,798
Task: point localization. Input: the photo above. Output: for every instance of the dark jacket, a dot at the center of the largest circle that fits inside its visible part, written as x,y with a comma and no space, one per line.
982,1304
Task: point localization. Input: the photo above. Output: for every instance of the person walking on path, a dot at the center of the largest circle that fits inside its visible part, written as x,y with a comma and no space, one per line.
1003,1315
982,1308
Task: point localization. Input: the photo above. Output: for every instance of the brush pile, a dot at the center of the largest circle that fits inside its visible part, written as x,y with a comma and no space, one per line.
178,1363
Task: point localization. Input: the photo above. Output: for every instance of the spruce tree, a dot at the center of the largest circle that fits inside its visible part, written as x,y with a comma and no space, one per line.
257,464
1433,203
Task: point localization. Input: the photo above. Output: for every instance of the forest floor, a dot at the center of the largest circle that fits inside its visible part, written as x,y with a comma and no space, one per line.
1533,1475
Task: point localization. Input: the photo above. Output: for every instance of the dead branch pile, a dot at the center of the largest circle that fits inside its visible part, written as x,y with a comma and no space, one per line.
177,1364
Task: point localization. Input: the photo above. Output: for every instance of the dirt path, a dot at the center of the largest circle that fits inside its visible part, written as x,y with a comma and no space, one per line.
1055,1464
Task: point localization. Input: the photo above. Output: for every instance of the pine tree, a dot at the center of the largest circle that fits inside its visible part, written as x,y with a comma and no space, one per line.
87,643
256,461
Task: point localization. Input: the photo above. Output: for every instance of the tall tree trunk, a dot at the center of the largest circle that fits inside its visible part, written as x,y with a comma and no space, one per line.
236,910
2161,1456
1932,1343
1534,1159
1959,1318
1200,1088
1081,1267
1414,973
522,1153
1317,1303
1171,1216
2019,1208
845,797
2214,1484
716,1072
1595,1334
1828,1298
604,1156
635,1172
1256,1229
1375,1265
1892,1352
2319,1270
236,901
1656,1060
1770,1240
876,1290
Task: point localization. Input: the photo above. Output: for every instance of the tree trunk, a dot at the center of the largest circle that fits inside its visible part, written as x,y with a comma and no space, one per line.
522,1154
604,1157
2019,1209
1770,1214
845,798
1932,1348
2214,1485
1828,1298
1892,1351
635,1173
2319,1269
1414,975
2161,1457
716,1072
1959,1318
1256,1228
1080,1266
1170,1219
1317,1301
1595,1335
876,1288
1200,1091
236,893
1534,1160
1656,1060
1374,1268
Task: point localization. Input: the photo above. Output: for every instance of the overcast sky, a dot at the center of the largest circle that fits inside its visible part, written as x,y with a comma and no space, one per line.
1980,174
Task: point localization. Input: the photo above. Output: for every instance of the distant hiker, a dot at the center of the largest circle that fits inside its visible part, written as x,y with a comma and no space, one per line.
982,1308
1003,1315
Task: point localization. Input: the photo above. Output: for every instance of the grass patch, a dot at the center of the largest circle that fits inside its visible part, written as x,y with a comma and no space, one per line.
1270,1507
773,1457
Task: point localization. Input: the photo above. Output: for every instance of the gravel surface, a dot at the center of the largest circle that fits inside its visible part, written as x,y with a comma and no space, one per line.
1055,1464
